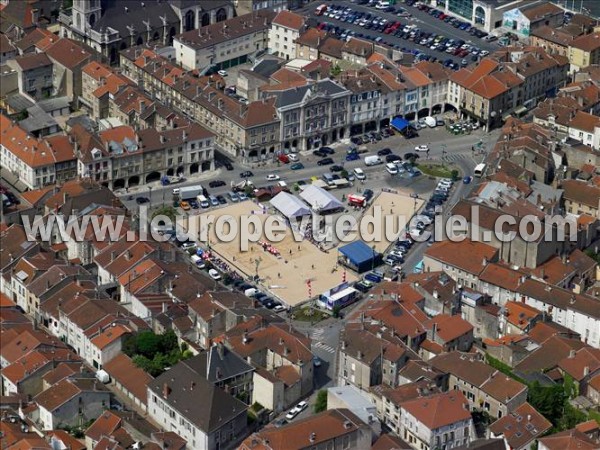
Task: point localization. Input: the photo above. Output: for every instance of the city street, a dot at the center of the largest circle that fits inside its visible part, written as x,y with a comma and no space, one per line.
457,149
421,19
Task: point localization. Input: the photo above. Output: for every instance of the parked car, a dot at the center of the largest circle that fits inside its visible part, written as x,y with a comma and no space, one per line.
142,200
297,166
325,162
216,183
246,174
273,177
214,274
384,151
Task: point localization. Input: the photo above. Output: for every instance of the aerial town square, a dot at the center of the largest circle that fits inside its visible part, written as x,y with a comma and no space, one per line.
298,225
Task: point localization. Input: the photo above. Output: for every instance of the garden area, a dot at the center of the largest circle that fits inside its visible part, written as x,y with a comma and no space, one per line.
438,170
154,353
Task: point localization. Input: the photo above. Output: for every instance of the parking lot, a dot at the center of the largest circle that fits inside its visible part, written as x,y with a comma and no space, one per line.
429,37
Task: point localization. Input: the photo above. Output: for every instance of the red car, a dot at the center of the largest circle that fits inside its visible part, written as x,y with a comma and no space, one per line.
442,16
284,159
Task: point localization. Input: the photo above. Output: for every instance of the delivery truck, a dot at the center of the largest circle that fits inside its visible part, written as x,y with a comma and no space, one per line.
188,192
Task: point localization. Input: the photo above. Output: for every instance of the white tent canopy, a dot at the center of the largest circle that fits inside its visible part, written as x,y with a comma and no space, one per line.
289,205
319,199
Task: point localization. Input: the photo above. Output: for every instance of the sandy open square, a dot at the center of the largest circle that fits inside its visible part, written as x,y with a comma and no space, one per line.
395,206
286,275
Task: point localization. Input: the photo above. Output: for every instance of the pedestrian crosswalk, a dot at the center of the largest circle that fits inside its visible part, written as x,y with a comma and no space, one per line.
316,333
455,157
324,347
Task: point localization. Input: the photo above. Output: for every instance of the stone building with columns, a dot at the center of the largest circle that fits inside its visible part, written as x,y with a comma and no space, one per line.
109,26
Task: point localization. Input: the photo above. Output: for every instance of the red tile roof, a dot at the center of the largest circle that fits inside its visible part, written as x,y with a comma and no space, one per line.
452,253
127,374
439,410
521,427
289,20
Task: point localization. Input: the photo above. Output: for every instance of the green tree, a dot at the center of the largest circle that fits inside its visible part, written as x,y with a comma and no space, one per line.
455,174
321,402
147,344
168,211
549,401
571,417
336,70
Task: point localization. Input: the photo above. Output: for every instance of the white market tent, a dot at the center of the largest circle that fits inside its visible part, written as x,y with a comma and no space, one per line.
289,205
319,199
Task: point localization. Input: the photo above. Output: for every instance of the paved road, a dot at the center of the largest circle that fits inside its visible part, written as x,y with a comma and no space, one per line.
421,19
376,176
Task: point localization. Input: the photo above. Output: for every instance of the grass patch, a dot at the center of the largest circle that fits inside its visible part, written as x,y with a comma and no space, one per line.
436,170
307,314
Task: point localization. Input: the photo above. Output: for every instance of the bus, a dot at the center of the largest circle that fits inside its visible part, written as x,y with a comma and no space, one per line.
321,9
479,170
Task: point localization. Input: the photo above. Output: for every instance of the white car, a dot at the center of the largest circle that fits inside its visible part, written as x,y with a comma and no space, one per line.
422,148
223,73
214,274
296,410
273,177
359,174
391,168
484,53
293,157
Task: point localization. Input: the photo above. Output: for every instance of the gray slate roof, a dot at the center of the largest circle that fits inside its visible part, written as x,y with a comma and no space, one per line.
114,16
222,364
295,95
199,401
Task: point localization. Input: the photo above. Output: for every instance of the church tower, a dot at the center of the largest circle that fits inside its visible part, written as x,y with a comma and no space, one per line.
85,14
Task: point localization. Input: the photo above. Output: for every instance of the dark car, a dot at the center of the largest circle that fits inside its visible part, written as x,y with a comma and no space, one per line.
411,156
356,140
320,153
325,162
327,150
228,165
391,158
352,157
142,200
221,200
216,183
246,174
368,194
336,168
362,287
384,152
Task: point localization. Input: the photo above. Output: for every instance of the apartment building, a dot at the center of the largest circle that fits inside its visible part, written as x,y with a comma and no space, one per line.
485,388
68,59
581,197
121,158
584,51
98,83
437,421
246,130
331,429
511,82
35,162
225,44
585,128
285,29
184,401
34,74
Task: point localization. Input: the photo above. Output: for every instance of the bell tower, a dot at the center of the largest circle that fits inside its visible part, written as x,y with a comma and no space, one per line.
85,14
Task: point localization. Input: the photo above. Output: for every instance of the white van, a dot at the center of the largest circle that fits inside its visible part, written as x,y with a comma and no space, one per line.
382,4
204,202
359,174
198,261
293,157
175,191
373,160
